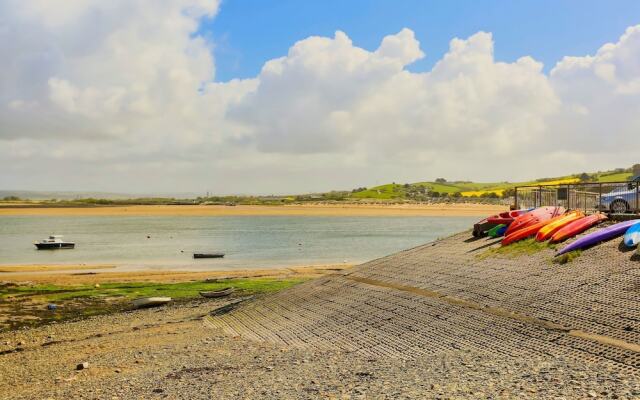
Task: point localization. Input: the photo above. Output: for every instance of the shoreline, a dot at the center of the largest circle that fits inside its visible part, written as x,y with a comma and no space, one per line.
320,210
64,275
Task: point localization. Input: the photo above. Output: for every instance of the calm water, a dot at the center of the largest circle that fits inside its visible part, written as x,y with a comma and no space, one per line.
249,242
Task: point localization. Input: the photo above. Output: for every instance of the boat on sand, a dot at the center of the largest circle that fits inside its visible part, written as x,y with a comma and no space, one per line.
145,302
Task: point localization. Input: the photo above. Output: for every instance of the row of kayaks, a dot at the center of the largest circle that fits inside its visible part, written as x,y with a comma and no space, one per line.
555,224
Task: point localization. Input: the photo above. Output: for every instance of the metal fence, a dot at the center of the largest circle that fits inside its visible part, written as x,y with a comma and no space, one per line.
610,197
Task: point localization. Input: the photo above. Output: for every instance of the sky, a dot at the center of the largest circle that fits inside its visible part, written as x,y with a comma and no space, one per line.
254,97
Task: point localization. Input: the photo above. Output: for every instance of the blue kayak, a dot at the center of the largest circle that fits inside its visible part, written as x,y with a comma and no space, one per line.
598,236
632,236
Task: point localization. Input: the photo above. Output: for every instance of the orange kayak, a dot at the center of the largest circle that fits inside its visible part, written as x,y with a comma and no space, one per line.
533,217
548,230
576,227
528,231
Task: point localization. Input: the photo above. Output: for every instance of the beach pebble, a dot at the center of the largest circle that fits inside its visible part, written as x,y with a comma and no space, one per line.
82,366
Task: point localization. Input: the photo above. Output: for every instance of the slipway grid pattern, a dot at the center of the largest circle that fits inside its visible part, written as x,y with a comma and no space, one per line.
438,297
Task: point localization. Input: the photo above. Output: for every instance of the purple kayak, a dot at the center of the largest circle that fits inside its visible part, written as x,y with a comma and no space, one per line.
598,236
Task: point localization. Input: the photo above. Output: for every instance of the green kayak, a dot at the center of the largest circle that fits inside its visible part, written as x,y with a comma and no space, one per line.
497,230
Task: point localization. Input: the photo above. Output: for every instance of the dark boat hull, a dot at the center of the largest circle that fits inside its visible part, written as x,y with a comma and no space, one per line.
208,255
54,246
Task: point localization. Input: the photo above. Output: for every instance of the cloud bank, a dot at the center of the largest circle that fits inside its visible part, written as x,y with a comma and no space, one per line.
122,96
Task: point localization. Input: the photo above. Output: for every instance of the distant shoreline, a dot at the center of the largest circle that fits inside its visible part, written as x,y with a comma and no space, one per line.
440,209
78,274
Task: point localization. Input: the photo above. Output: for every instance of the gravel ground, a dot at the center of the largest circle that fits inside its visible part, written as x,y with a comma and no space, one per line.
171,353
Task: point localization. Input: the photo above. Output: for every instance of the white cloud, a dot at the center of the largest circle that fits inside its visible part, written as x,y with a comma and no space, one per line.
120,96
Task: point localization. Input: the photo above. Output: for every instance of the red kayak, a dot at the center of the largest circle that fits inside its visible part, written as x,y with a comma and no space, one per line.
480,228
506,217
576,227
528,231
540,214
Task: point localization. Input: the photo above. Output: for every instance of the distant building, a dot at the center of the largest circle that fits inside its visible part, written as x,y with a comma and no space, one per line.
636,169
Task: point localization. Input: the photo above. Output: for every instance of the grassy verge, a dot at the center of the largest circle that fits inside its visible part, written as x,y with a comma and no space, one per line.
567,257
517,249
26,305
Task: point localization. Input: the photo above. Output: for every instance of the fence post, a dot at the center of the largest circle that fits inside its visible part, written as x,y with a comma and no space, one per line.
515,194
599,197
540,195
637,197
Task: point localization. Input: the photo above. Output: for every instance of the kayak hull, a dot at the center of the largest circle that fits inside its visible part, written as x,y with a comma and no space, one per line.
497,231
576,227
598,236
548,230
528,231
533,217
481,228
506,217
632,235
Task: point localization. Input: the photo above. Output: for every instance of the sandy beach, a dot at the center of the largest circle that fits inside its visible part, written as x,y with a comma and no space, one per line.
443,209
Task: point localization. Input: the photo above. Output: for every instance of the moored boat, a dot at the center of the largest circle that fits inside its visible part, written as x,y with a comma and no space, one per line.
54,242
208,255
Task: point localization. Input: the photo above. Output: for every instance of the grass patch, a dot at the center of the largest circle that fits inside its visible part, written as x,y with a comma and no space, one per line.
130,290
567,257
25,305
517,249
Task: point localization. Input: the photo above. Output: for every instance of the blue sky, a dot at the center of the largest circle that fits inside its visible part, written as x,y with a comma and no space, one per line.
247,33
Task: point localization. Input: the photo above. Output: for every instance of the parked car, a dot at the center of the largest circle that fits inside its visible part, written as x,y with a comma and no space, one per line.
622,200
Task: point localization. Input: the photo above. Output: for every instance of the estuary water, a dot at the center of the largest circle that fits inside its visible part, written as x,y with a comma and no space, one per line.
162,242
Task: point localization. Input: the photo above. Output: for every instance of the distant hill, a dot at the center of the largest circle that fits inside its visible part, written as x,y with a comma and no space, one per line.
72,195
470,189
418,191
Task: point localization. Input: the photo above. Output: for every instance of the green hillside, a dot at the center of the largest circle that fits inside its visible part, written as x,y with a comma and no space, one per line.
475,189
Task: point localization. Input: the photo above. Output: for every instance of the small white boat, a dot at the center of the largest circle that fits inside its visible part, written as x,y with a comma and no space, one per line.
54,242
144,302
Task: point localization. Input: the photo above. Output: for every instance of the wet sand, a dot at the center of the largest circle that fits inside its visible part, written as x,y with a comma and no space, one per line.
51,268
442,209
60,275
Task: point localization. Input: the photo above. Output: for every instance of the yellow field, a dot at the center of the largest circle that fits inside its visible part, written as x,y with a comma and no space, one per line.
499,192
